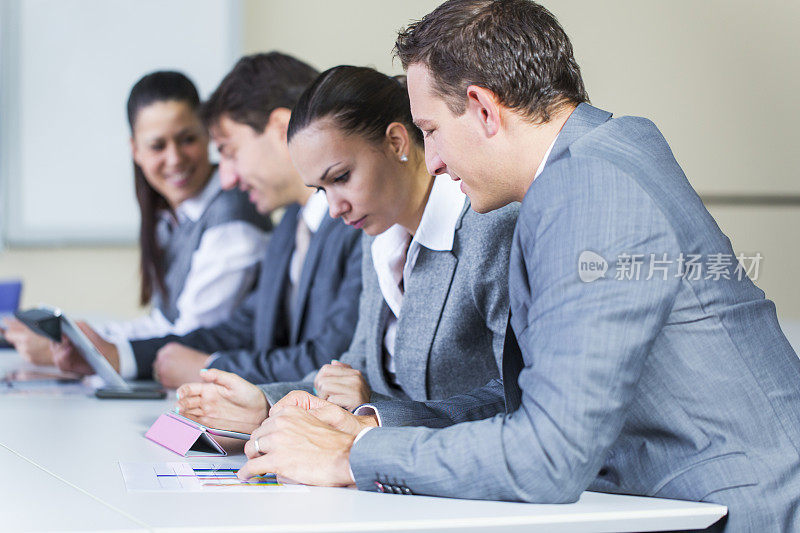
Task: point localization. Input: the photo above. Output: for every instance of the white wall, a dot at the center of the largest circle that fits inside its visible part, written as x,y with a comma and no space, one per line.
70,67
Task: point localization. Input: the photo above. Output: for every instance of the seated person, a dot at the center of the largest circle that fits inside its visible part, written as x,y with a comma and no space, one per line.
434,306
305,306
663,380
200,245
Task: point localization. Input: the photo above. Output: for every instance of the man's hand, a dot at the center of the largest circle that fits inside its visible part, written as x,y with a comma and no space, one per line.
341,384
31,346
294,443
223,400
331,414
177,364
68,359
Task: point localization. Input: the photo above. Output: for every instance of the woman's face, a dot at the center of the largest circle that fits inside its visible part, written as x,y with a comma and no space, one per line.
170,145
362,180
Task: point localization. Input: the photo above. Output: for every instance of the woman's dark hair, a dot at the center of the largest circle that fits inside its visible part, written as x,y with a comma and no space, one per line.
360,100
154,87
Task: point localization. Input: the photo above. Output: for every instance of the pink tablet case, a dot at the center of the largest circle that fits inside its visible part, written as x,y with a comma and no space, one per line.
183,437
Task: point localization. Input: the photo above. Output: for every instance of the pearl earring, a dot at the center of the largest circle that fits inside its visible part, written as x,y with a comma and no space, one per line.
403,158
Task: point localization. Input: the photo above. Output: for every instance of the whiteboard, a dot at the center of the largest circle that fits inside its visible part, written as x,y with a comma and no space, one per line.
67,68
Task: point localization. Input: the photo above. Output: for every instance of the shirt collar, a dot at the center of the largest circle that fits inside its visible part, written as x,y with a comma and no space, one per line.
192,208
314,211
437,226
546,155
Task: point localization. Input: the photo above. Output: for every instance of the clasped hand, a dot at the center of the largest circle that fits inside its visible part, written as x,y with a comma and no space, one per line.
342,385
223,400
305,439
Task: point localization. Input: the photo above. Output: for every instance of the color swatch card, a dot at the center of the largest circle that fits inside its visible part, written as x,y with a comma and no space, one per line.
197,477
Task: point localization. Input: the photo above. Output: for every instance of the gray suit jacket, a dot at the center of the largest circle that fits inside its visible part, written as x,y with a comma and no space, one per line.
677,386
452,324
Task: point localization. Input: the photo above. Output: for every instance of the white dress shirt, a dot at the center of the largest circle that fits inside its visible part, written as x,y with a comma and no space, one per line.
313,212
310,218
222,272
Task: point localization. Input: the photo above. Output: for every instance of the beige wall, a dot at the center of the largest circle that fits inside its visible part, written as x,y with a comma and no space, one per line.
719,77
327,33
89,282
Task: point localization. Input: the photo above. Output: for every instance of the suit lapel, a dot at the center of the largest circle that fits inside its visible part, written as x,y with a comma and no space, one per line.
423,305
374,346
275,277
315,248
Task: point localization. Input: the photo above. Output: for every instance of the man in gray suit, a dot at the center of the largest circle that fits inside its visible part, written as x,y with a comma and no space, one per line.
639,369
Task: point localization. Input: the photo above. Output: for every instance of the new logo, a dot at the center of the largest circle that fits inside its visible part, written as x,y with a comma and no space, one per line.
591,266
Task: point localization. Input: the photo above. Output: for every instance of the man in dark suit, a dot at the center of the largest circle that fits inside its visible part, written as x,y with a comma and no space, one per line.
305,307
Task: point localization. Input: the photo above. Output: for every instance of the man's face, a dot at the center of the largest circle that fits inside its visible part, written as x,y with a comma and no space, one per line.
258,162
454,145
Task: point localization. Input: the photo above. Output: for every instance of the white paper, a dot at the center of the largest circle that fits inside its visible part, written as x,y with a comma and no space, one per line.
195,476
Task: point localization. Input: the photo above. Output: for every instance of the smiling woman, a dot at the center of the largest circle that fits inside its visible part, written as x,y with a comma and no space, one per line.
200,245
170,147
170,159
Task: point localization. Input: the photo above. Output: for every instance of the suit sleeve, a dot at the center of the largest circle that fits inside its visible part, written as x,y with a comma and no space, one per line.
584,346
294,362
234,333
477,404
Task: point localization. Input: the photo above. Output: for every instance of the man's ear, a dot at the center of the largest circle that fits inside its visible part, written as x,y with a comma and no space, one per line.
279,121
399,142
483,106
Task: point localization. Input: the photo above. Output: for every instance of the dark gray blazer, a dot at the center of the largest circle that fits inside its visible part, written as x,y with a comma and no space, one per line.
259,342
452,324
670,385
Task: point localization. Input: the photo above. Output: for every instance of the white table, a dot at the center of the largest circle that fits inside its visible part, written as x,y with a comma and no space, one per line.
62,454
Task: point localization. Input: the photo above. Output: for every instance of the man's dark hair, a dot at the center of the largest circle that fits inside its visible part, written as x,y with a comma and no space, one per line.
515,48
257,85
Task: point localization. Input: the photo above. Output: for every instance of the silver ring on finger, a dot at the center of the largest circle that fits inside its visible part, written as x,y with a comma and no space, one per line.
255,445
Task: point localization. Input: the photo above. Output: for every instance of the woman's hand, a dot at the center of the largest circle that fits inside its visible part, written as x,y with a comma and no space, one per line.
342,385
223,400
31,346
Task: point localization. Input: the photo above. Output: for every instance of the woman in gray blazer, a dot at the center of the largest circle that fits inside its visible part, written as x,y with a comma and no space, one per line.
434,306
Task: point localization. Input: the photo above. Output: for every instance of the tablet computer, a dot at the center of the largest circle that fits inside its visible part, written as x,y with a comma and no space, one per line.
52,323
214,431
